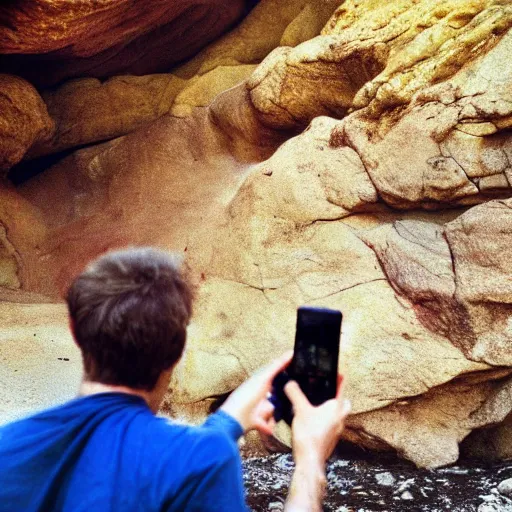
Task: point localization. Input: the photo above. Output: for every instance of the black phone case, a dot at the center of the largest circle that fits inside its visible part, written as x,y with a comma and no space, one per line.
315,361
282,406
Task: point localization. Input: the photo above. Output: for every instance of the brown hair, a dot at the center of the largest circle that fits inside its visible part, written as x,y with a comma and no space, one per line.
129,311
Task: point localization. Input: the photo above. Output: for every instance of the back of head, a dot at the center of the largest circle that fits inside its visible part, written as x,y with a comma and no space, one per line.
129,311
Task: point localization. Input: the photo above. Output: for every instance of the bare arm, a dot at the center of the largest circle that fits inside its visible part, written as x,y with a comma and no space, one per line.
307,489
315,432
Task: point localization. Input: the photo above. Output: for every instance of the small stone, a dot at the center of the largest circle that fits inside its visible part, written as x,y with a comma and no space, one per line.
505,487
406,496
405,485
488,507
386,479
454,471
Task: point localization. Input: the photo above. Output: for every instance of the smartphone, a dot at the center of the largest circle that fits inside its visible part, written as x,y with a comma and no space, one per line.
315,359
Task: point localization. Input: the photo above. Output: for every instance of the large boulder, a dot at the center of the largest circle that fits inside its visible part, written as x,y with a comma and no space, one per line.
374,56
24,120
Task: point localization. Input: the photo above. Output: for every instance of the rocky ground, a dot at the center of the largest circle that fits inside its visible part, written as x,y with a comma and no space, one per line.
363,485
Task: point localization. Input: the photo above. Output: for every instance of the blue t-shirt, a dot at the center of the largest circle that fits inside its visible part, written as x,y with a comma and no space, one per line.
108,452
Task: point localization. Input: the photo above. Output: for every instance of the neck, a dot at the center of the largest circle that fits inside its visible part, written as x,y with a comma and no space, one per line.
93,388
153,398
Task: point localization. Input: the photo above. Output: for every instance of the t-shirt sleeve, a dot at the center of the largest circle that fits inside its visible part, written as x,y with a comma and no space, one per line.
224,422
220,488
210,468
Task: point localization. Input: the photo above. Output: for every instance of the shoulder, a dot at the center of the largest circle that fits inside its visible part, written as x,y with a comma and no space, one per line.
177,457
207,444
215,445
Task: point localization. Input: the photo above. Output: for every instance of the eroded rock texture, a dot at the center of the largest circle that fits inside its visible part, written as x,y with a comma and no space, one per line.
90,110
375,54
22,229
458,276
47,41
366,169
24,120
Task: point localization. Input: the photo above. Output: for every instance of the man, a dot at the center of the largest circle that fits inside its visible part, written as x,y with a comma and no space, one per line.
107,451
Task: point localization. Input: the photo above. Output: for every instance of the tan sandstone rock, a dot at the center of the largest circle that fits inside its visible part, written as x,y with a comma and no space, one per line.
40,364
479,241
443,163
325,217
458,277
142,176
268,25
261,240
24,120
22,230
201,90
374,55
428,429
285,256
87,110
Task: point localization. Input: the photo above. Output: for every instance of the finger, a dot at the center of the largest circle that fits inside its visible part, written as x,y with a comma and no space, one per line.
266,409
280,363
264,427
347,407
340,386
273,368
345,411
296,396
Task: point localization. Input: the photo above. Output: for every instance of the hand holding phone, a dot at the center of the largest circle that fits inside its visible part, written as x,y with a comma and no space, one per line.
314,365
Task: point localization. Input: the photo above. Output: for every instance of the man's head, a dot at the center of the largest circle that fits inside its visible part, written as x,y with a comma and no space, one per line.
129,313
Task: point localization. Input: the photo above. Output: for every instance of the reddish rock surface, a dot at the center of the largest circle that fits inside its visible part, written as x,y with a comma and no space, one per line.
24,120
47,41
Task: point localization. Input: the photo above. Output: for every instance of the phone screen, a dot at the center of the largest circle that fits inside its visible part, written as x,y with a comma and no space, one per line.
315,360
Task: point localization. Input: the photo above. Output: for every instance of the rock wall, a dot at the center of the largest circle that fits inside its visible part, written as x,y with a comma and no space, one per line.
47,42
364,164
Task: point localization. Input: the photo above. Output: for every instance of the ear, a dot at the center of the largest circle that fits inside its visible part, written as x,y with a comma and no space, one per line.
72,329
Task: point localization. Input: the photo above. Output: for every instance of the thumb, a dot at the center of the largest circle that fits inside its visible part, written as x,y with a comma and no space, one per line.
277,365
346,408
296,396
265,427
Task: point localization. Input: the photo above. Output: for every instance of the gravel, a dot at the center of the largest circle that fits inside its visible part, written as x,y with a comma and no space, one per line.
372,485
